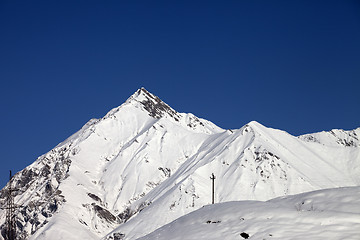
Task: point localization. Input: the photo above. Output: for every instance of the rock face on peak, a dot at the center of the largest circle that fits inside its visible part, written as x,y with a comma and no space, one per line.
153,105
155,108
144,165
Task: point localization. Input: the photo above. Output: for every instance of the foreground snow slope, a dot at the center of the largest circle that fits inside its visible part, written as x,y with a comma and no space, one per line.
252,163
324,214
144,165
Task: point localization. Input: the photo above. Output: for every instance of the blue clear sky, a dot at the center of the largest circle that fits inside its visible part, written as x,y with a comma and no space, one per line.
291,65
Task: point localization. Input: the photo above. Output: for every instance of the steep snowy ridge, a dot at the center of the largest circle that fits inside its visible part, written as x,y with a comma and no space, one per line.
143,165
335,137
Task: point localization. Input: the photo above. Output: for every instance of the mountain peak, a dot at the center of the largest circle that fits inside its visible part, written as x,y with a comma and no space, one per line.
143,93
153,104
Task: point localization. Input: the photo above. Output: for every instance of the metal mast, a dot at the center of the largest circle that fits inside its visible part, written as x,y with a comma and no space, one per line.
213,187
10,210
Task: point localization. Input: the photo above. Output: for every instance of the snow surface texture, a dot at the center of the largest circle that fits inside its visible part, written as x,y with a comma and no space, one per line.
144,165
324,214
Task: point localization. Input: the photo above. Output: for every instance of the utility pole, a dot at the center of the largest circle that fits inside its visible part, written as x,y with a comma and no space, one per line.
213,187
10,210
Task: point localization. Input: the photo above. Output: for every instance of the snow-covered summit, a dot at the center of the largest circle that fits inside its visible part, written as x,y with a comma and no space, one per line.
157,109
152,104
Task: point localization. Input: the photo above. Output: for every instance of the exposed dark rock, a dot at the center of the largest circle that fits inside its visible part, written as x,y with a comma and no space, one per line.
208,222
166,171
128,212
93,196
27,175
53,206
244,235
118,236
103,213
157,108
45,171
48,188
125,215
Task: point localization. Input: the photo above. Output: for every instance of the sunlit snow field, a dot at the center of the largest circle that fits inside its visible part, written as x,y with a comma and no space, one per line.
324,214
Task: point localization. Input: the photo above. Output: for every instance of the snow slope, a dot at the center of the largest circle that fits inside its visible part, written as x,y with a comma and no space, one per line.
252,163
323,214
143,165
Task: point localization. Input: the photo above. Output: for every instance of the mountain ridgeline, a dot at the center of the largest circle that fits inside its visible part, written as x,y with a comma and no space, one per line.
144,165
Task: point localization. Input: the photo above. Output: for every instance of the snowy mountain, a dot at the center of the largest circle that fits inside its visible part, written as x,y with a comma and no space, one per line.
144,165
